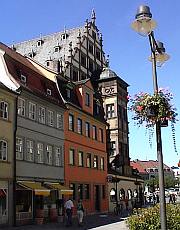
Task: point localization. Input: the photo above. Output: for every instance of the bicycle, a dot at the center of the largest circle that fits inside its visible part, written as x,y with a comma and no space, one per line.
118,209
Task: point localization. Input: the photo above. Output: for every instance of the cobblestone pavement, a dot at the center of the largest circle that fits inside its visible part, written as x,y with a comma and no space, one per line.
98,221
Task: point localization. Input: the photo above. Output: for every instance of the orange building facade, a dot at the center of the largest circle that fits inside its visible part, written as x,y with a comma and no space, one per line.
85,150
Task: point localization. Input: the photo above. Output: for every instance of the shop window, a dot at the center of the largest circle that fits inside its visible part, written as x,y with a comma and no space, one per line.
3,150
87,128
4,110
86,191
3,203
121,194
72,187
80,191
112,195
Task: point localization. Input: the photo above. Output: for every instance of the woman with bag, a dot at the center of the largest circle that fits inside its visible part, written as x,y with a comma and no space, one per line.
80,212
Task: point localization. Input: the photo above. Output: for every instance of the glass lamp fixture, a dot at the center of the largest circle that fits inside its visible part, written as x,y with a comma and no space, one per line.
143,24
161,55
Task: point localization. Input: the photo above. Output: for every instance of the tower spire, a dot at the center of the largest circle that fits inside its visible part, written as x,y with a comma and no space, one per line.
93,17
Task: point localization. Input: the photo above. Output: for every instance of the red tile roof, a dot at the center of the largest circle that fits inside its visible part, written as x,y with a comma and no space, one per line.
36,82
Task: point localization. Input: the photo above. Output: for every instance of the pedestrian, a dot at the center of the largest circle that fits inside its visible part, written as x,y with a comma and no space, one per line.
80,212
69,211
170,198
173,198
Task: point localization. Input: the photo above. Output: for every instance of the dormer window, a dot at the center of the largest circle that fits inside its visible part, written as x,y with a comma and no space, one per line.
47,63
64,36
39,42
68,91
87,99
31,54
49,92
57,48
23,78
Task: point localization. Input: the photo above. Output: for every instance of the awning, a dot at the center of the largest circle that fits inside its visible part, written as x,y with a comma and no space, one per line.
63,189
36,187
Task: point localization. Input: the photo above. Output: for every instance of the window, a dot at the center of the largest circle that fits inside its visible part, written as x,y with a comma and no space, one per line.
71,157
79,126
87,99
72,186
19,148
42,115
59,156
97,107
101,138
113,195
87,129
49,154
75,75
40,152
102,163
3,150
80,158
49,92
93,35
50,118
39,42
91,66
21,106
95,162
68,92
71,122
83,60
103,192
80,191
98,56
64,36
4,110
23,78
32,111
110,111
88,160
86,191
47,63
57,48
30,150
59,121
90,48
94,134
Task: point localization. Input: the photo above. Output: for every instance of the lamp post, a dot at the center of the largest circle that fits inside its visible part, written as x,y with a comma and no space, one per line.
144,25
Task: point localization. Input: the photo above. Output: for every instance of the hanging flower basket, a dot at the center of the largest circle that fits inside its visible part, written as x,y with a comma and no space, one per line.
149,109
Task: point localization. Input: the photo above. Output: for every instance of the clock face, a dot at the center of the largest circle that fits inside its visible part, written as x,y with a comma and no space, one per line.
109,90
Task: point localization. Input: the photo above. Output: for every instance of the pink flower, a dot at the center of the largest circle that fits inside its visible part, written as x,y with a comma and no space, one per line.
139,108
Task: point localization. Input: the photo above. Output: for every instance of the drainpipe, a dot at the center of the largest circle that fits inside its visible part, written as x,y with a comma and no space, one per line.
14,165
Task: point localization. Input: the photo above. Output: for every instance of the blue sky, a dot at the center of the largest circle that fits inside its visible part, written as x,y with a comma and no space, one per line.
23,20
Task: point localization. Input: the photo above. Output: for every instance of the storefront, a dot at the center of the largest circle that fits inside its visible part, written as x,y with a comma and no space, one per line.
3,202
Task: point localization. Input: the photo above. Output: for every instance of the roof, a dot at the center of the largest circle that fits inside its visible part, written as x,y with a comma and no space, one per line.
143,166
35,82
49,41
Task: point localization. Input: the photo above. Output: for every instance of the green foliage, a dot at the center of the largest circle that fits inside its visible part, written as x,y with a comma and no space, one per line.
149,218
169,182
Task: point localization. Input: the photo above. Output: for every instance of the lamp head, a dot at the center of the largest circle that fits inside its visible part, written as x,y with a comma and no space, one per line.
143,23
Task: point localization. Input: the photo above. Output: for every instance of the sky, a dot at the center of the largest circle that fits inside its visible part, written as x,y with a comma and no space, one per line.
128,51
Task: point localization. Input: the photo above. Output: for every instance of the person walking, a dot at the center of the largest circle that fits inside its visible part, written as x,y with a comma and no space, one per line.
69,211
80,212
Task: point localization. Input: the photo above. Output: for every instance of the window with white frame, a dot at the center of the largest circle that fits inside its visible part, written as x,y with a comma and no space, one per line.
21,106
19,148
71,157
79,126
49,150
50,118
110,111
30,150
102,163
59,121
4,110
71,122
32,111
88,160
95,161
40,150
94,132
80,158
3,150
59,156
101,138
42,115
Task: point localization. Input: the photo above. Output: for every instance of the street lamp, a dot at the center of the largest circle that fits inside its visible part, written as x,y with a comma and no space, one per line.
144,25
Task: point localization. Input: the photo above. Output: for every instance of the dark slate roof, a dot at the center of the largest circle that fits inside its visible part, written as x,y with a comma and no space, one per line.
46,51
36,82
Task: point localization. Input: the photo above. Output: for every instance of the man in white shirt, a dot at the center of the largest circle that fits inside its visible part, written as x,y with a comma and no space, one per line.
69,210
